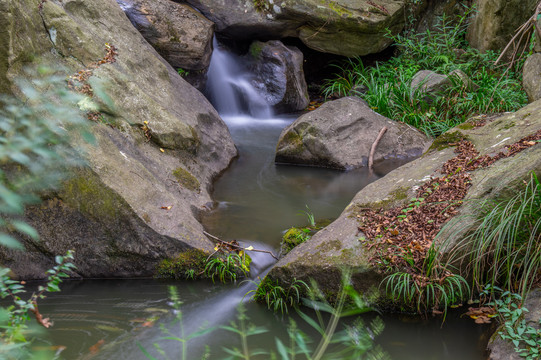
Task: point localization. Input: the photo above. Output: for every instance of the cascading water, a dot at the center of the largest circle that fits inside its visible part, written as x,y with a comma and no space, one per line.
257,200
229,86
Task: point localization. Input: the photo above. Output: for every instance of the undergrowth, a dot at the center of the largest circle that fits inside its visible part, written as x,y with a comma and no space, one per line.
386,86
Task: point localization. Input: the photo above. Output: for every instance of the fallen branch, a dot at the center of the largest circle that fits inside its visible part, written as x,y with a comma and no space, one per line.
238,246
373,148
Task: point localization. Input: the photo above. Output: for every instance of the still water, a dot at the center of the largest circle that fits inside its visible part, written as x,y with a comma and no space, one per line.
256,201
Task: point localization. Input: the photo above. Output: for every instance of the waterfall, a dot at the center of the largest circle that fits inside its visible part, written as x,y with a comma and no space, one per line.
229,86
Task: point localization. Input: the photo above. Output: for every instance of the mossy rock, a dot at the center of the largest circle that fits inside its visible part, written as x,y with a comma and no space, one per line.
186,179
191,261
446,140
293,237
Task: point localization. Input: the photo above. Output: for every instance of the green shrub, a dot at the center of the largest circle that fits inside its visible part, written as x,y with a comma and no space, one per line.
386,86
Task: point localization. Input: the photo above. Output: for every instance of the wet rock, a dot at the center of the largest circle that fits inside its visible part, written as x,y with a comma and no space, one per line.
341,244
180,34
279,75
531,77
342,27
496,21
340,133
110,212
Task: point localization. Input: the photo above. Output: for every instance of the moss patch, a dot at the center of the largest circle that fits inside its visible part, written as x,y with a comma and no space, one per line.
89,195
444,141
293,237
186,179
189,264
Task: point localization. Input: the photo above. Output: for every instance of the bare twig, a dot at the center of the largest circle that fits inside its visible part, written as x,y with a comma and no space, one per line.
523,31
238,246
373,148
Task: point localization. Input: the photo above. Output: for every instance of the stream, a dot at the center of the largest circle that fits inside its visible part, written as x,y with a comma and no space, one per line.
256,202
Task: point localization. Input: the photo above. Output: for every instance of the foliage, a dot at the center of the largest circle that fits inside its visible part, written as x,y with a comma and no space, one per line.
355,341
387,85
183,72
293,237
227,268
277,297
34,146
13,338
433,286
505,248
181,338
525,338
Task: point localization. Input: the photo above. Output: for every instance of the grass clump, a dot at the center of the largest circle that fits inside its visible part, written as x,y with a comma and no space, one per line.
387,85
227,267
505,247
279,298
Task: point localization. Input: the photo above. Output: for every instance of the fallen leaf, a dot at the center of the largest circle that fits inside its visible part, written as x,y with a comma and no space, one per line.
96,347
249,248
167,207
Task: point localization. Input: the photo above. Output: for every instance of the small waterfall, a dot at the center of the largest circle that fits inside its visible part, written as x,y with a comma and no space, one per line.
229,86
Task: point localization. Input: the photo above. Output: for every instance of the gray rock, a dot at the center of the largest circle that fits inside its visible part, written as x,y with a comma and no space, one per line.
430,83
531,77
110,212
279,75
179,33
321,257
343,27
340,133
433,84
504,350
496,21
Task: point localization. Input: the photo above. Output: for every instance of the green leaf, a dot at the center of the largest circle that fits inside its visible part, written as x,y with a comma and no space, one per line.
10,242
26,229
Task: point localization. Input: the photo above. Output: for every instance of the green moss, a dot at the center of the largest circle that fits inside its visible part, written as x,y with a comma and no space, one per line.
293,237
394,197
256,48
88,194
329,246
507,125
191,261
445,140
186,179
466,126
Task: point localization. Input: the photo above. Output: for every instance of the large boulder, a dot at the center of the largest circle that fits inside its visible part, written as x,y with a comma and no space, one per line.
160,143
341,244
279,75
496,21
340,134
180,34
531,77
343,27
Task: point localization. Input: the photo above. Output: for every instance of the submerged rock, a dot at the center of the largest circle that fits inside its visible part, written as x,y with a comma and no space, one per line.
340,133
342,244
342,27
279,75
154,127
